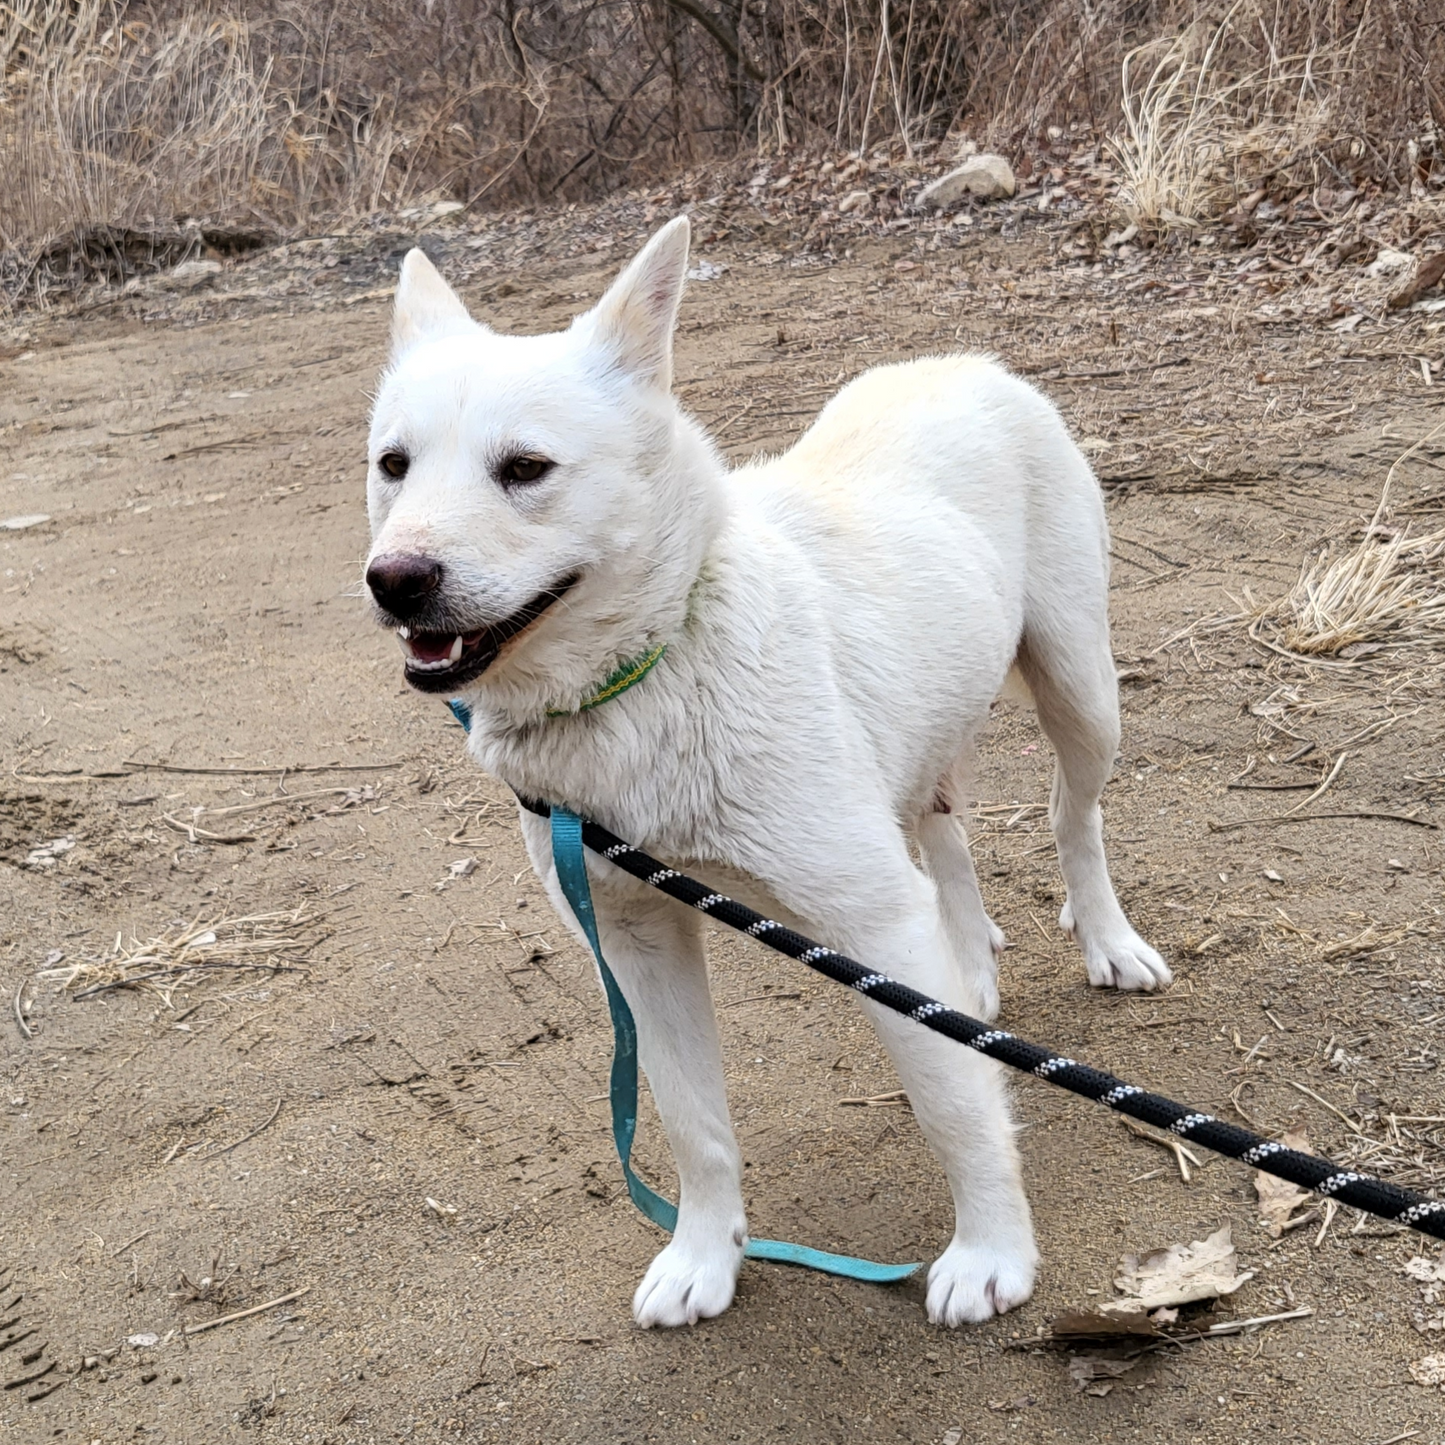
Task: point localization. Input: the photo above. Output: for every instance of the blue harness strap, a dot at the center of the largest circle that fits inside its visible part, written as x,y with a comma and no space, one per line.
570,858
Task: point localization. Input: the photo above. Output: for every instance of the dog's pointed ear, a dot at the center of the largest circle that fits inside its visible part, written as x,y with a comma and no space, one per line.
635,319
426,307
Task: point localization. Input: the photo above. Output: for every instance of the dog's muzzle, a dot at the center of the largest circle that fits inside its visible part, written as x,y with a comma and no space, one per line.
442,652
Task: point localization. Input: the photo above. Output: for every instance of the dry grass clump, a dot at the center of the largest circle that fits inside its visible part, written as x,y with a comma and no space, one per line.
1380,590
1218,112
1388,588
116,133
185,953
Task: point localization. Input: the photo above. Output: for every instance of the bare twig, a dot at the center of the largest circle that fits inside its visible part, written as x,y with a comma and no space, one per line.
216,1154
1183,1156
284,1299
26,1032
196,834
878,1101
1293,817
1333,773
1349,1122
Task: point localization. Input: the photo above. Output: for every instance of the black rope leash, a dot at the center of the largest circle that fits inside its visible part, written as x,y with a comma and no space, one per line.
1359,1191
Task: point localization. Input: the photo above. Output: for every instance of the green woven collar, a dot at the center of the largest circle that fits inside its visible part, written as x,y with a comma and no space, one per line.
626,675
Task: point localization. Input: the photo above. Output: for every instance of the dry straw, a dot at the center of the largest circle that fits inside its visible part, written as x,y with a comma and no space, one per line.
1386,590
185,953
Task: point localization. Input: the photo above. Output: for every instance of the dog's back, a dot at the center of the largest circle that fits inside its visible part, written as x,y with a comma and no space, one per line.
939,495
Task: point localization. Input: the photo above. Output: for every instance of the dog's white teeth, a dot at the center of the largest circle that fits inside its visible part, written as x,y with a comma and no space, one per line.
455,654
404,633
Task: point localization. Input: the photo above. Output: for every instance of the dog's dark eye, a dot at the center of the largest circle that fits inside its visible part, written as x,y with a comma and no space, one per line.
394,464
520,470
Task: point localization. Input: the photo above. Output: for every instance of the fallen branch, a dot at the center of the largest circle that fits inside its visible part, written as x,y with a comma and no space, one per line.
196,834
1183,1156
1344,1118
1236,1327
878,1101
1317,817
136,763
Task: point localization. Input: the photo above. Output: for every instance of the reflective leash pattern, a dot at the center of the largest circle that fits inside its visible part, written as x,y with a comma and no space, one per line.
1359,1191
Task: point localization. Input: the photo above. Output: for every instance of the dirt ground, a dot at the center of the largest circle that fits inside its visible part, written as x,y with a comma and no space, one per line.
418,1112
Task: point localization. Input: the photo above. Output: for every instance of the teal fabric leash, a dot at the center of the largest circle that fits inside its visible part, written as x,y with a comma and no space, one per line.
570,858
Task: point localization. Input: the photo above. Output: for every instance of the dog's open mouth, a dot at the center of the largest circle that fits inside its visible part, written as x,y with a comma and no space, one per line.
442,661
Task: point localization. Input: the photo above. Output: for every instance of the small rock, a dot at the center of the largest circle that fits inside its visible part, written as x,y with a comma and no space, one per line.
143,1341
1431,273
194,273
447,208
46,855
1387,263
1429,1372
462,868
989,177
853,201
706,271
19,524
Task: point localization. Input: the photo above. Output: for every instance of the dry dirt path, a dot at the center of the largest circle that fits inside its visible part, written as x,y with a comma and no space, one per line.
193,601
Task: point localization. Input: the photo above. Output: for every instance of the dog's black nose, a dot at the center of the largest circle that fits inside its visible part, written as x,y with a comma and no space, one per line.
401,582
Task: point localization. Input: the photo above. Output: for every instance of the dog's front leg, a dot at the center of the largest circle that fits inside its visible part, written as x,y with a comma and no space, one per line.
655,950
869,899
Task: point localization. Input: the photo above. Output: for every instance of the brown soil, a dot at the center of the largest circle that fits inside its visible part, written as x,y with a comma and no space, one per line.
194,602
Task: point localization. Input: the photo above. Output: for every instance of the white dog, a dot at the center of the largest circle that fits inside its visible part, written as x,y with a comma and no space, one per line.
837,621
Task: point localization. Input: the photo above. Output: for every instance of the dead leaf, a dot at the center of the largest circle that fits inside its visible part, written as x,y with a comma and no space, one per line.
1278,1198
1427,1271
1022,1403
1177,1275
1428,1372
1084,1370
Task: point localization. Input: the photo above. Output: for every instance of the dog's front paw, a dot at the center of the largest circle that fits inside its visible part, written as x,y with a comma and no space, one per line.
1116,957
685,1284
973,1282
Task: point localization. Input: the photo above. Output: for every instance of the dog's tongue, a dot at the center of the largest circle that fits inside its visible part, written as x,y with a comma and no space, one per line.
431,646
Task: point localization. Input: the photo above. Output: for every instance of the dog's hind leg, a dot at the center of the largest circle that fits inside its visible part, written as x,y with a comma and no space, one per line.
1069,667
655,949
977,941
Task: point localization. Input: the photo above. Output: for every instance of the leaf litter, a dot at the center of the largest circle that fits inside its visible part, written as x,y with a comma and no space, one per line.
1154,1288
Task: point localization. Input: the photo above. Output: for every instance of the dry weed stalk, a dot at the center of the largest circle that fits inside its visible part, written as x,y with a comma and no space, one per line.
271,942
